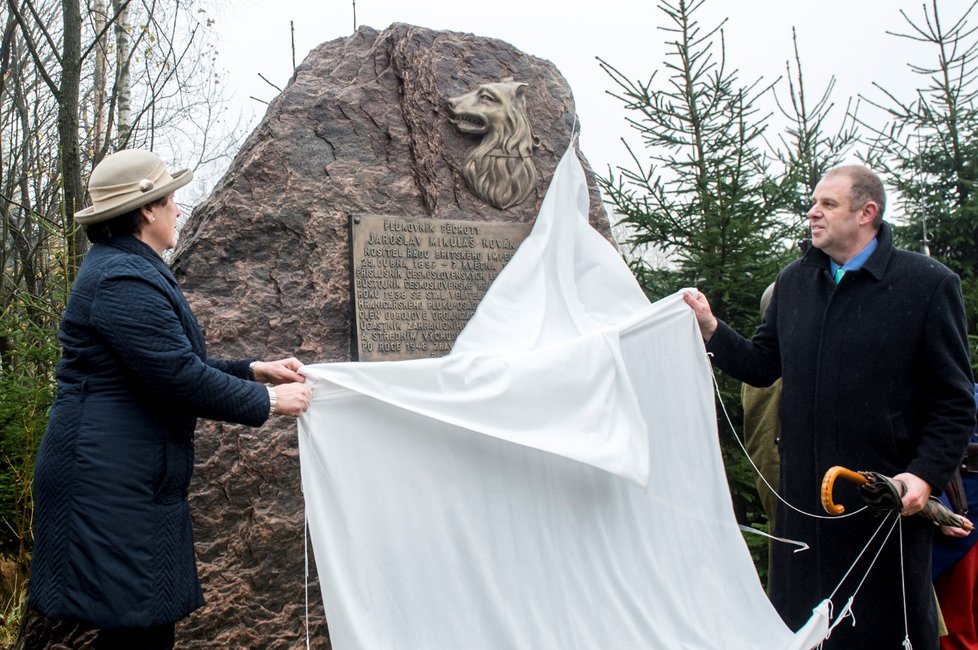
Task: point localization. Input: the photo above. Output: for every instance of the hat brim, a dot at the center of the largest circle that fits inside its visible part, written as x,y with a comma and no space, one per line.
90,215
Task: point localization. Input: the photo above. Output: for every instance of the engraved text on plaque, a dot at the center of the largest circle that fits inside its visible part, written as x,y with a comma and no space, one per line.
416,282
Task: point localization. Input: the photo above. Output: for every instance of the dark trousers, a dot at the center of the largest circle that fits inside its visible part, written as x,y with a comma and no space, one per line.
37,632
158,637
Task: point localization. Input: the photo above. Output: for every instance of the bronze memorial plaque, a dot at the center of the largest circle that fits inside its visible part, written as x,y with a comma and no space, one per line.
416,282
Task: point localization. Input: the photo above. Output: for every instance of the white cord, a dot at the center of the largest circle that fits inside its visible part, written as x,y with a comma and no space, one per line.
802,546
847,610
903,589
726,415
875,557
305,552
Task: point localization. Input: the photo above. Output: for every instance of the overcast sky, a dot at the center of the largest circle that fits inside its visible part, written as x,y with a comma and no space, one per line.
844,38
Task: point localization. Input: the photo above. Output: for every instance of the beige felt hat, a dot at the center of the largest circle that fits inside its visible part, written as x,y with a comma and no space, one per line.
127,180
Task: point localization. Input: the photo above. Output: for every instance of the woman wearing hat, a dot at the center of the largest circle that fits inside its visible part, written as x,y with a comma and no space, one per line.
113,542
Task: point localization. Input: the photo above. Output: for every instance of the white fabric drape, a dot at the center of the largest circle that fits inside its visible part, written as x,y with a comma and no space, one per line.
553,483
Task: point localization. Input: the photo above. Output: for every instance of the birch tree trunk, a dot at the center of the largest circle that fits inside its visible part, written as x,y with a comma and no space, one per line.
123,86
99,81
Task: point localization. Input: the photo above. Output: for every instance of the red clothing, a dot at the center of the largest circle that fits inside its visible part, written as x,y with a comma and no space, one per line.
957,592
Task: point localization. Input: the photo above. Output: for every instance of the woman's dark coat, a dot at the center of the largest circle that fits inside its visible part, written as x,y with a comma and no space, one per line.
876,377
113,539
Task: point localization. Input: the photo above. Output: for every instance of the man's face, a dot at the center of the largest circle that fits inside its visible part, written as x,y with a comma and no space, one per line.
834,221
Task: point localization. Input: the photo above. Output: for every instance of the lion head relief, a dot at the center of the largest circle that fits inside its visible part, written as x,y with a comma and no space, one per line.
499,169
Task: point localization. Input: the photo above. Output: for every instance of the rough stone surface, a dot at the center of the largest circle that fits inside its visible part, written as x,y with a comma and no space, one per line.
361,128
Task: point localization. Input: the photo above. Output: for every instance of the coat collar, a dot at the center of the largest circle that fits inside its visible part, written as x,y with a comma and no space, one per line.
875,265
132,245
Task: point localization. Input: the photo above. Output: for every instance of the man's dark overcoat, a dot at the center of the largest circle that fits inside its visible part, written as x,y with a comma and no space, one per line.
113,539
876,377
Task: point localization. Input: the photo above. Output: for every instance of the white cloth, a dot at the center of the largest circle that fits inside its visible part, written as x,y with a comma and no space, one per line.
553,483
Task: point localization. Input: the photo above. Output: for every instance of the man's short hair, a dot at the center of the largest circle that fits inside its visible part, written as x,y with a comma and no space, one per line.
866,187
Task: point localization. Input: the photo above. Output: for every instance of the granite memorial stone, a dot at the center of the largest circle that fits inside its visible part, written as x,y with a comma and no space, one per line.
362,177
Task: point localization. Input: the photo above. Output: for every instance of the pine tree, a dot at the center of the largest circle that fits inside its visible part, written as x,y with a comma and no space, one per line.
699,204
705,200
928,150
809,147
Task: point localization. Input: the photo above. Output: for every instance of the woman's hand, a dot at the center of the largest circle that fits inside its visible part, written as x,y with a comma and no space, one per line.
954,531
283,371
292,399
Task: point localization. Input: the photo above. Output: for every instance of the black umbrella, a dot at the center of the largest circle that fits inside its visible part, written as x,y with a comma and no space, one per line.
882,493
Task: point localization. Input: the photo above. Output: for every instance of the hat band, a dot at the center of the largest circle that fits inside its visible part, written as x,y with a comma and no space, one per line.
107,193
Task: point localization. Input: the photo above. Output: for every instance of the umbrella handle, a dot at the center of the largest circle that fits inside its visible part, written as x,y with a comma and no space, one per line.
828,483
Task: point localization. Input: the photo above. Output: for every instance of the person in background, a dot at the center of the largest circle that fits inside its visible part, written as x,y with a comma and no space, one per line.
956,557
870,342
113,545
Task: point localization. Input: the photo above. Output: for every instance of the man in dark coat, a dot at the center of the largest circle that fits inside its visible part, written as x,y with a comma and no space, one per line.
871,344
762,427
